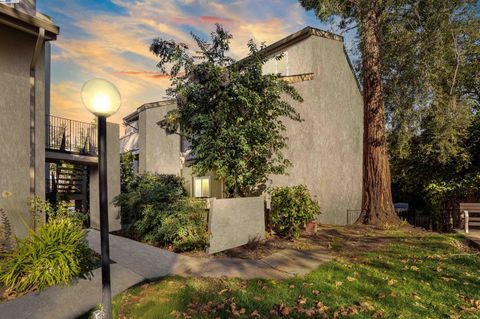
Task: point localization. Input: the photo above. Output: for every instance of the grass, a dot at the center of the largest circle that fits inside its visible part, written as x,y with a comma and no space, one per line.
412,275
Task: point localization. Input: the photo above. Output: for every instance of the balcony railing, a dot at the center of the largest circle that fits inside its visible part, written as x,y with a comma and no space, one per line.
70,136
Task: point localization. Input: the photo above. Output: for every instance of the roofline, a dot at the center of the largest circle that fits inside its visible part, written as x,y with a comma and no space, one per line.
300,36
134,115
28,23
295,38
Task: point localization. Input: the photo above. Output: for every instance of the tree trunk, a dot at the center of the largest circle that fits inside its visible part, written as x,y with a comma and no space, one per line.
377,205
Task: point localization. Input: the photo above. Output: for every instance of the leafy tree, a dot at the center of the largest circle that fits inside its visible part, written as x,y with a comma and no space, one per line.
368,16
127,172
431,57
230,112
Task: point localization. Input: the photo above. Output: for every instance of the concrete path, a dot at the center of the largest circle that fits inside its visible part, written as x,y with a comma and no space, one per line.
68,302
473,236
135,262
151,262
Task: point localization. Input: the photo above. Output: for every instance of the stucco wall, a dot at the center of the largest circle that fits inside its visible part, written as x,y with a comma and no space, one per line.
113,173
326,148
159,152
15,57
234,222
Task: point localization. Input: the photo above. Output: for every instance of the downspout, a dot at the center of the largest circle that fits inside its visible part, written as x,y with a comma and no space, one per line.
33,64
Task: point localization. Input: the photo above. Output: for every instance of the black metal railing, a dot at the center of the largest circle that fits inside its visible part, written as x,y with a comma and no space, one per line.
70,136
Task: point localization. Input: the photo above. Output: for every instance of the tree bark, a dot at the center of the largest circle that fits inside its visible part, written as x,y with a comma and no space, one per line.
377,204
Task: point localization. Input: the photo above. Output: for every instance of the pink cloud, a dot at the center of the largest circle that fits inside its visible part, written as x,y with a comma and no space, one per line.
149,74
200,20
144,73
212,19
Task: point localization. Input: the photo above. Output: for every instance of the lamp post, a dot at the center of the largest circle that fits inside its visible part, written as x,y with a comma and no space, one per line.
102,98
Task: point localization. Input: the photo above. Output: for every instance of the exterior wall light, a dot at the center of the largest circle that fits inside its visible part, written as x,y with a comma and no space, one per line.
103,99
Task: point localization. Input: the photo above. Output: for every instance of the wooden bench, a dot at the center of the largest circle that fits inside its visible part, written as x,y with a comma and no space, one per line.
470,213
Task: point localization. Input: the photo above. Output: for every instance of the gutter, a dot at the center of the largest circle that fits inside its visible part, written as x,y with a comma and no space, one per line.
33,65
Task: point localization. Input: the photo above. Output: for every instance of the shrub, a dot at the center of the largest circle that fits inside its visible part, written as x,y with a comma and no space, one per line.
149,191
56,253
5,232
186,228
160,211
292,208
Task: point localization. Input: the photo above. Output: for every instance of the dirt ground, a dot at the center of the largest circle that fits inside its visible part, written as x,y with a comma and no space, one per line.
339,239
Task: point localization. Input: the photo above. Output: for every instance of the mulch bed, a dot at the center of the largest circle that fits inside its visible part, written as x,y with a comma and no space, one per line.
340,239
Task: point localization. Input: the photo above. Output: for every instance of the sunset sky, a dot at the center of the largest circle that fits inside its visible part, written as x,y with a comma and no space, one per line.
110,39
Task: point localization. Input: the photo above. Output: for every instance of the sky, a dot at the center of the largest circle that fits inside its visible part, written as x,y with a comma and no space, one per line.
110,39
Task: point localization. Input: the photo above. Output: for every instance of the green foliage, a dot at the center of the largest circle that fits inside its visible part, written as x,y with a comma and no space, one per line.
160,211
431,93
235,102
57,253
5,232
443,196
127,173
186,227
148,192
292,208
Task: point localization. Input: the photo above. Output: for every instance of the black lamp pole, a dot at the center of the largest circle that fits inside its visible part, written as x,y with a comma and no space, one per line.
104,240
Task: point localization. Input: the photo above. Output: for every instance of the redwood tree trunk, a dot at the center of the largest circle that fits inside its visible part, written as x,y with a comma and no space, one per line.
377,205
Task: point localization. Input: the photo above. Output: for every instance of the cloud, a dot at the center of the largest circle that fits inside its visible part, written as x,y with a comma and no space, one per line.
115,45
156,75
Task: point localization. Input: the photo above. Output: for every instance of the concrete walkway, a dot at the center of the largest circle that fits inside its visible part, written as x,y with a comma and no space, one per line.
151,262
135,262
68,302
473,236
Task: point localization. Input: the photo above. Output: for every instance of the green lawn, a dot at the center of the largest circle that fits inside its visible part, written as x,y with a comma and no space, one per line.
415,275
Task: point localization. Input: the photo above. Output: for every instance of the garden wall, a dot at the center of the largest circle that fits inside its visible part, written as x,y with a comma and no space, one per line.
234,222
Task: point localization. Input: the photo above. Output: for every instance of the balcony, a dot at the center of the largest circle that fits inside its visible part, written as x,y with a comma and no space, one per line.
70,140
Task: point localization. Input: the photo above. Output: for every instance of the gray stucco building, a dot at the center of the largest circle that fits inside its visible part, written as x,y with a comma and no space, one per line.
325,149
43,152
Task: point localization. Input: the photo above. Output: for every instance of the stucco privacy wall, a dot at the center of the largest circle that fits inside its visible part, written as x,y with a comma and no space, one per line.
113,173
159,151
15,56
326,148
234,222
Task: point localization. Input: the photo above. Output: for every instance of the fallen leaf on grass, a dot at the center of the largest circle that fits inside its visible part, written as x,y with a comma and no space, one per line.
338,283
315,292
221,292
301,300
321,307
255,314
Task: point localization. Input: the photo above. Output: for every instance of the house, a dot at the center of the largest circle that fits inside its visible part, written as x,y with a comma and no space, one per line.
326,149
44,155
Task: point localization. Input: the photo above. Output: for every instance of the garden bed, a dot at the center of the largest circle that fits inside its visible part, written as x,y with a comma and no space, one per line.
5,295
334,238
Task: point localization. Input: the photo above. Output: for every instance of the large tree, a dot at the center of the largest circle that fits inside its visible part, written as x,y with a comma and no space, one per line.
368,16
231,112
431,59
420,68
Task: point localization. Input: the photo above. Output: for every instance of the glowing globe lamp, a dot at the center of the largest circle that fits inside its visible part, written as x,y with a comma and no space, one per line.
101,97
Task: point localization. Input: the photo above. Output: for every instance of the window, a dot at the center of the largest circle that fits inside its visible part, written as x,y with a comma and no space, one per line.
201,186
